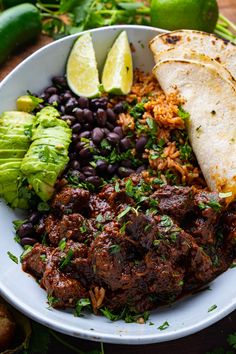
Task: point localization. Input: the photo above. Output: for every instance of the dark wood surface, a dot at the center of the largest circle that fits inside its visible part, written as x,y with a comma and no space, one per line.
199,343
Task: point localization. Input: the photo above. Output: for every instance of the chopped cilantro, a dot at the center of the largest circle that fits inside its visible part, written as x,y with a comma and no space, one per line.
183,114
164,326
62,244
137,111
12,257
166,221
81,304
124,212
43,257
117,187
212,308
99,218
114,249
66,260
83,229
43,206
125,314
52,300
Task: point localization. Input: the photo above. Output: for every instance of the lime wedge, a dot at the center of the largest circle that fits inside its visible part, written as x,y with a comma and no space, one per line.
117,76
81,70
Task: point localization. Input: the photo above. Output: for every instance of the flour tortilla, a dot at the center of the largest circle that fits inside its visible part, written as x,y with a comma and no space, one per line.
211,102
216,48
191,55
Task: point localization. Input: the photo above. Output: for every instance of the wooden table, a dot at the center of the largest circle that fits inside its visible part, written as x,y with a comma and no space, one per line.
199,343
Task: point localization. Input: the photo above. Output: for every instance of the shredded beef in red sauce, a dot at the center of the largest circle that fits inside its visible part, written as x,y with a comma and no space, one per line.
132,244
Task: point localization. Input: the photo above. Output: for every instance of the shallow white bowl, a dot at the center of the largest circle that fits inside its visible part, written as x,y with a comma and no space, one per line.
185,317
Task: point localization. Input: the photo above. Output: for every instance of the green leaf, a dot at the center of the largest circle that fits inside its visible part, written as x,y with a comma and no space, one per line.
130,6
40,339
164,326
18,223
12,257
113,249
66,260
212,308
68,5
81,305
183,114
232,340
124,212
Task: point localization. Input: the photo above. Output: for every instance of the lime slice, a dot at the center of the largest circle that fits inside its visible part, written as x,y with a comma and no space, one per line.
117,76
81,70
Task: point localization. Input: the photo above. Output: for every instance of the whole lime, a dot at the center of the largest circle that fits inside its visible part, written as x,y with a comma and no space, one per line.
199,15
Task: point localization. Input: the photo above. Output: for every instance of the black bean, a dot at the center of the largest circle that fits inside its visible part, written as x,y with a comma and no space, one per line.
97,135
75,165
88,116
51,90
111,115
125,143
140,144
61,108
70,105
44,96
76,139
59,81
141,168
86,134
85,153
79,114
105,131
83,102
88,171
75,174
76,128
104,152
79,146
111,168
95,180
53,99
126,163
113,138
110,126
68,118
101,117
125,172
72,155
101,165
119,108
34,217
66,96
25,230
97,103
119,131
27,241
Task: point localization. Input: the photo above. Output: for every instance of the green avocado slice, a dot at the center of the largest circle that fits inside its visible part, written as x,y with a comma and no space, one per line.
11,153
15,138
48,153
16,119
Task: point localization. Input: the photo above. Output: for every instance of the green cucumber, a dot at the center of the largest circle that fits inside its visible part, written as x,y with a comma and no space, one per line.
18,25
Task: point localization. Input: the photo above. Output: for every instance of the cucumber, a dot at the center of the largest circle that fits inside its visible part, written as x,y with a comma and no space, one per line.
18,25
5,4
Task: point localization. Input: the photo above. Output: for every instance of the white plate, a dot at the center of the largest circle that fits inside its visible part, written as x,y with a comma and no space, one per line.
185,317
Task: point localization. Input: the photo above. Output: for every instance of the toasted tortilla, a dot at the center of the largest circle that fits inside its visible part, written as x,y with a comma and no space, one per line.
191,55
211,101
216,48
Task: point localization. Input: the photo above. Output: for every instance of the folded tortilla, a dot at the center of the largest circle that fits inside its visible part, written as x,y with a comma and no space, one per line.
191,55
216,48
211,101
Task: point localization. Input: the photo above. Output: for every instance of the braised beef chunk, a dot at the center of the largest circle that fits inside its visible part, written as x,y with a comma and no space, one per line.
174,201
70,200
133,244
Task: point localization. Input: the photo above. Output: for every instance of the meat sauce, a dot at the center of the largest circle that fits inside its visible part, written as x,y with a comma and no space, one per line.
133,244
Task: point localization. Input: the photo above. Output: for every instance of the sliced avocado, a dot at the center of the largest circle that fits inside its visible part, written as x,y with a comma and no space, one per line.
11,153
42,189
16,119
15,138
48,153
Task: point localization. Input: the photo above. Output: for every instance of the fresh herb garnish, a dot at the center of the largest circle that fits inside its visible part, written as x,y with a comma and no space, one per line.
183,114
12,257
164,326
166,221
66,260
129,316
81,304
211,204
52,300
113,249
124,212
18,223
83,229
212,308
62,244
